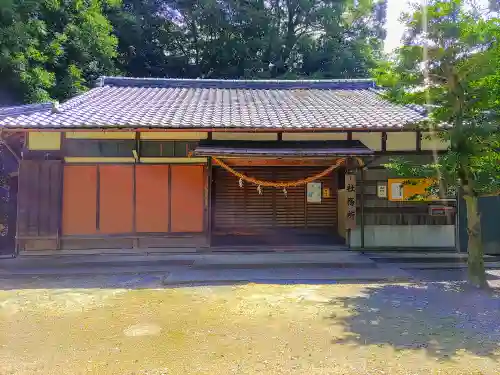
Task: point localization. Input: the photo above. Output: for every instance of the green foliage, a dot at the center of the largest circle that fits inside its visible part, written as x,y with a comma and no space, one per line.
52,49
450,63
252,39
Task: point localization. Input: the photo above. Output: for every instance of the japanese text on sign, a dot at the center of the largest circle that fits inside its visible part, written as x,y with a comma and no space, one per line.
350,187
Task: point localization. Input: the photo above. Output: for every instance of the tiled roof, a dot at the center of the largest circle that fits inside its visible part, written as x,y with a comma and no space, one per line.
24,110
197,103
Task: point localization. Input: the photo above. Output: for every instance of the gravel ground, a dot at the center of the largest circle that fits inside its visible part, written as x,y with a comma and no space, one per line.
132,325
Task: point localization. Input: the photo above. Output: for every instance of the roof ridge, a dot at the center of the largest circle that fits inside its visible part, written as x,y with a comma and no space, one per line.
261,84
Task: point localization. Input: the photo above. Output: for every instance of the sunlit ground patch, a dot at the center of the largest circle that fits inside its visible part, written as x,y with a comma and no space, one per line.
357,329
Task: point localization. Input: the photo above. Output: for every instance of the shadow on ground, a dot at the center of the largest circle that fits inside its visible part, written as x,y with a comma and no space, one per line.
442,319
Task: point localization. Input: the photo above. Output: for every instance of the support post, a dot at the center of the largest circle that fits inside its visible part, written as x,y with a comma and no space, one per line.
209,202
362,208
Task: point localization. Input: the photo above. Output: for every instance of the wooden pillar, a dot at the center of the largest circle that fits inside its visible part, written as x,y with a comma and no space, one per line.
362,208
208,203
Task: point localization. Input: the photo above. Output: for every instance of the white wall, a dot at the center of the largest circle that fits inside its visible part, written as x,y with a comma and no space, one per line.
405,236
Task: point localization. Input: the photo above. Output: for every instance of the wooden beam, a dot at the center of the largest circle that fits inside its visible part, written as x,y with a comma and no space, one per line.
242,162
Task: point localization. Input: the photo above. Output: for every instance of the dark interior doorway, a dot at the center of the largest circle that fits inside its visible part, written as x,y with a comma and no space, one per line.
278,237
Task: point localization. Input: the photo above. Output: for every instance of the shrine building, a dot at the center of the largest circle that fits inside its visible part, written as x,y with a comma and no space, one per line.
194,165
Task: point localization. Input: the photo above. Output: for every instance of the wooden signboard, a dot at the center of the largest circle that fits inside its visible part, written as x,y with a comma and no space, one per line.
400,190
350,188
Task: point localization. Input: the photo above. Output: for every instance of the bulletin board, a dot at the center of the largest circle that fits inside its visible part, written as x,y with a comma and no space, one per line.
399,189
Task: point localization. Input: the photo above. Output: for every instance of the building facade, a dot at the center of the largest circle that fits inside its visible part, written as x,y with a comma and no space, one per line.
189,165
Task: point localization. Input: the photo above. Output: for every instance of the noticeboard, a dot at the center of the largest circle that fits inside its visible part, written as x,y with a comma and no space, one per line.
314,192
403,189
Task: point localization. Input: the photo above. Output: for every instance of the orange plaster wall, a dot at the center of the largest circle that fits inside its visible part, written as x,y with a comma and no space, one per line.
114,184
152,198
79,200
188,198
116,199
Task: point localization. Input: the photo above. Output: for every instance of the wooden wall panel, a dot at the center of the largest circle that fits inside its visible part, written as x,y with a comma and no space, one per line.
79,200
116,188
27,197
381,211
34,197
152,198
244,209
44,191
324,214
188,198
39,198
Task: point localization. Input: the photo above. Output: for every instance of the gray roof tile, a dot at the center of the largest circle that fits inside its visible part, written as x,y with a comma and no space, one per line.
179,103
24,110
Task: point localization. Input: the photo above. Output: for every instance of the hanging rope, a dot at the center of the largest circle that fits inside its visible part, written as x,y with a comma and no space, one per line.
281,184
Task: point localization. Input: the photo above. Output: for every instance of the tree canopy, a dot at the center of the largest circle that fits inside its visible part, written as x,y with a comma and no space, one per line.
450,63
53,49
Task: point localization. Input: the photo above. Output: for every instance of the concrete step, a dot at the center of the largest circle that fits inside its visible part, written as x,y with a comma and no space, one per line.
290,275
94,271
246,265
279,248
340,259
443,265
425,257
402,250
414,254
19,264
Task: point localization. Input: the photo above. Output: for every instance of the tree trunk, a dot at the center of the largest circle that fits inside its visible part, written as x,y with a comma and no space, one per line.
475,262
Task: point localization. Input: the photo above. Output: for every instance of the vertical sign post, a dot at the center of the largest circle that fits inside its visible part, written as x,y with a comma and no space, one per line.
350,187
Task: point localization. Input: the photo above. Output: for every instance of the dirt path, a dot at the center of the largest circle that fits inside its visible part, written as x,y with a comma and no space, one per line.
251,329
